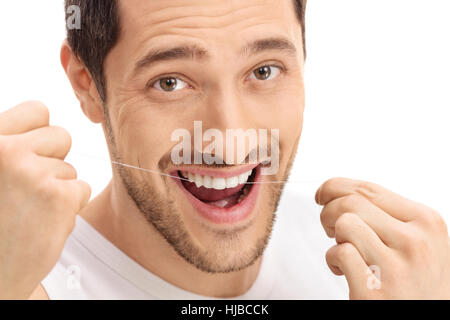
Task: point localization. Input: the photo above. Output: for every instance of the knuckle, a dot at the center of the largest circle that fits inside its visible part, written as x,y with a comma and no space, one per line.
62,133
77,195
415,245
71,169
330,253
406,235
330,232
87,188
345,250
327,223
324,216
434,220
8,151
344,222
367,189
39,110
86,191
349,203
49,193
330,183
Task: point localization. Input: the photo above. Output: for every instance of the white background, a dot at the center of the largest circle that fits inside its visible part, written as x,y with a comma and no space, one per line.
378,84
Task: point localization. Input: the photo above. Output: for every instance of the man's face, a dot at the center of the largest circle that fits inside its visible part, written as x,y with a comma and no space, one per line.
237,65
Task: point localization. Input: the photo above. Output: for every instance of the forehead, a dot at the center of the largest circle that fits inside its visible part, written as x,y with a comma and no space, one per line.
217,25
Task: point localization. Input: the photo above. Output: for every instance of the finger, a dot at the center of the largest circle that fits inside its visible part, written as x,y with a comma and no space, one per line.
384,225
345,259
59,168
80,190
351,228
393,204
49,141
24,117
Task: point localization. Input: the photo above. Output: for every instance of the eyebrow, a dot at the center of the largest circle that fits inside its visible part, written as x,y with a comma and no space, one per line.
262,45
196,52
176,53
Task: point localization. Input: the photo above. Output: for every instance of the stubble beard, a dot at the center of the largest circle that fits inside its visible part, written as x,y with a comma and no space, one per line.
162,213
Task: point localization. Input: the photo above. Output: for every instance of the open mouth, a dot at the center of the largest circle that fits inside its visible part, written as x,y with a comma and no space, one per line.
220,196
218,191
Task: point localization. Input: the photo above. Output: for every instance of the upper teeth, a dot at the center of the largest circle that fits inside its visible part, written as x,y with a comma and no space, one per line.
215,182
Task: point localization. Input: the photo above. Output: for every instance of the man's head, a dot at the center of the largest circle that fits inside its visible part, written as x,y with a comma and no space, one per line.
146,68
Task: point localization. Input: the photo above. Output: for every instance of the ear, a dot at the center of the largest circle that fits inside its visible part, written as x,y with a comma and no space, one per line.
82,84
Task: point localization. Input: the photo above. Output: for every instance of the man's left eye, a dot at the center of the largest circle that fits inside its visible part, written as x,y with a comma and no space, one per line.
265,73
170,84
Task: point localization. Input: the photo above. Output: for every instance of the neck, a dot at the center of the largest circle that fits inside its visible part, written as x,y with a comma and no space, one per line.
116,217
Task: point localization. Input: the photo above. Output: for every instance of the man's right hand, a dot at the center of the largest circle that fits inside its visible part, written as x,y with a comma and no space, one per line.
40,197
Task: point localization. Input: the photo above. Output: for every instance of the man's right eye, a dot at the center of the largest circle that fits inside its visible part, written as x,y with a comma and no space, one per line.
169,84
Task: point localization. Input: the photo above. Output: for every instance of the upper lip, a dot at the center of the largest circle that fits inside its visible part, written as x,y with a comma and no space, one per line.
215,172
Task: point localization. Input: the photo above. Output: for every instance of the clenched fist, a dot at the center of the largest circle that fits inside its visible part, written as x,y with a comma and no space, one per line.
388,247
39,197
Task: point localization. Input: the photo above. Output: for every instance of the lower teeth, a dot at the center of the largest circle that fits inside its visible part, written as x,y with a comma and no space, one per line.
224,203
221,203
244,193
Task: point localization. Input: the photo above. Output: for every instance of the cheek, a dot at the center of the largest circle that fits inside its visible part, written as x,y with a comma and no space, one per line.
292,105
284,111
144,133
281,106
288,118
293,124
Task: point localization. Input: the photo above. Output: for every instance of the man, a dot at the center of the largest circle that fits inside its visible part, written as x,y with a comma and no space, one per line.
144,69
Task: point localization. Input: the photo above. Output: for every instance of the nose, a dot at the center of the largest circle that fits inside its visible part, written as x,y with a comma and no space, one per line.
226,113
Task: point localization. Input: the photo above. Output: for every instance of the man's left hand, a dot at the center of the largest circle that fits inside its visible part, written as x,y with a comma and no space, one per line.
388,247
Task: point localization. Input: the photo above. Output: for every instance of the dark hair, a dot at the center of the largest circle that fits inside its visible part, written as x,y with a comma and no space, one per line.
99,32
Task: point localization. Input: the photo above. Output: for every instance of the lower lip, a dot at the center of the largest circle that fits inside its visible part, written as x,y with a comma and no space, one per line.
234,214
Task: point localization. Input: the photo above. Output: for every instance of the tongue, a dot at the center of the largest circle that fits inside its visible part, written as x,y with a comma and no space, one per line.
209,194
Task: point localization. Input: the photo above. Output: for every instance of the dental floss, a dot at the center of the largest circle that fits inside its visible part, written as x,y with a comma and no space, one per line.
180,178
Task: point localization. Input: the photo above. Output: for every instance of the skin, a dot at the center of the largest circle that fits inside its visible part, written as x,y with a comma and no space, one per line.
40,197
140,120
407,241
372,225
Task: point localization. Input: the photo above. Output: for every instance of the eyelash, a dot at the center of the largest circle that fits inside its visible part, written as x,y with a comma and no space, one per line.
152,83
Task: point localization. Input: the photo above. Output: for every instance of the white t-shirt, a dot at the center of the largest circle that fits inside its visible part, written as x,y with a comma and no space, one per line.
293,265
